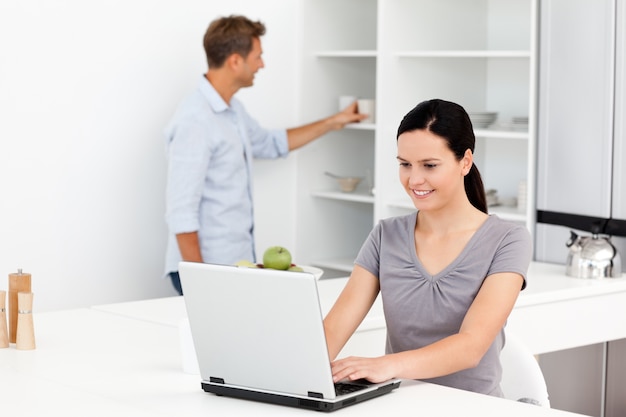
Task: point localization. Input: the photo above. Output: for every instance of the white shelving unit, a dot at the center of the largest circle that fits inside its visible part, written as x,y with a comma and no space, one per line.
464,54
480,54
347,54
334,195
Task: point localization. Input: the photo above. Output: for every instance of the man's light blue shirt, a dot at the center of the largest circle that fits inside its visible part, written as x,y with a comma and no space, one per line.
210,146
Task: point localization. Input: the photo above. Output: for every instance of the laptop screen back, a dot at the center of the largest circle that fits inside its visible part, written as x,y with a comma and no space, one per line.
257,328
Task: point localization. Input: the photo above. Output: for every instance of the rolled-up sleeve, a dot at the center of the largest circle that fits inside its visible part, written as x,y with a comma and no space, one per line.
189,155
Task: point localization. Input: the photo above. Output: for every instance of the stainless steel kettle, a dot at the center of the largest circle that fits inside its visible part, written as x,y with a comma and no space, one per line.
592,257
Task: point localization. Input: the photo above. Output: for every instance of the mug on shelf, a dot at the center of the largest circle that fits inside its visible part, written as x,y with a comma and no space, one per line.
367,106
345,101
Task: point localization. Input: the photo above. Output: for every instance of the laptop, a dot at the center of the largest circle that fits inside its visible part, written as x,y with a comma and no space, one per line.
258,335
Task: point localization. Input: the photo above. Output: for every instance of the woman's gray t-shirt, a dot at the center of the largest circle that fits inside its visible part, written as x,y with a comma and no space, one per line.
421,309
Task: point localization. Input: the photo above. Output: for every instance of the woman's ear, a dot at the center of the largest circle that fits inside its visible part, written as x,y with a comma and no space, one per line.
467,161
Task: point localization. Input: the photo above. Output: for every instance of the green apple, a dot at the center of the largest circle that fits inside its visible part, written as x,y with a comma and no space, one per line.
277,257
295,268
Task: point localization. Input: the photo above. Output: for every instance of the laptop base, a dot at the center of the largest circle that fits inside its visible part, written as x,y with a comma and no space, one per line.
307,403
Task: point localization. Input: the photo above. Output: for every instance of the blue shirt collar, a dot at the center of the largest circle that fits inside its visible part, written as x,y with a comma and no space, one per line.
214,99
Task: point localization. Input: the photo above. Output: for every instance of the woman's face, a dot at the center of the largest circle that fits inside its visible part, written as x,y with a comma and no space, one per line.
429,171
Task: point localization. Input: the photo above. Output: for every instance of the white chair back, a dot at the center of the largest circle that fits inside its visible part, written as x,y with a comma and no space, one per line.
522,379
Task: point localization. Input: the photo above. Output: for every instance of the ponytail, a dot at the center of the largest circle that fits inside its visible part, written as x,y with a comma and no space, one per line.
475,189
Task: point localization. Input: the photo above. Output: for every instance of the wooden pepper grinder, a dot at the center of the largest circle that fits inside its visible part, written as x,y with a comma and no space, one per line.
25,329
4,332
19,282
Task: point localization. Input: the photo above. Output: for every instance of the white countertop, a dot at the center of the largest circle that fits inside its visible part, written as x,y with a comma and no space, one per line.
557,312
547,283
171,310
97,363
554,312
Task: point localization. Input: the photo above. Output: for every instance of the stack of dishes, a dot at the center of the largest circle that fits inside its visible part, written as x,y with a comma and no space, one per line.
520,123
482,120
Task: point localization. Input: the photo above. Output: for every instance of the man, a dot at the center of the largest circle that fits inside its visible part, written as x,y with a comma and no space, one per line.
210,144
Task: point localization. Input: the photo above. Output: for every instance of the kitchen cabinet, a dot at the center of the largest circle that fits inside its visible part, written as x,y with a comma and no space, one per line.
581,135
576,107
480,54
581,175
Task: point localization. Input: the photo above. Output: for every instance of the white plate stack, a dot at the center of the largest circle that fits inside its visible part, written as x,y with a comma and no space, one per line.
520,123
482,120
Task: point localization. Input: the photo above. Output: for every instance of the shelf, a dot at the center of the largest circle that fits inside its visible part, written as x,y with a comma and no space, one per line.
347,54
403,204
504,212
464,54
361,126
501,134
337,195
508,213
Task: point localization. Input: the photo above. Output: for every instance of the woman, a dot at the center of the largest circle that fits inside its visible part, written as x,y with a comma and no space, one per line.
448,274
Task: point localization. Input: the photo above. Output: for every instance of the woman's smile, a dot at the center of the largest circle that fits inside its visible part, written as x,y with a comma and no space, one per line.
420,193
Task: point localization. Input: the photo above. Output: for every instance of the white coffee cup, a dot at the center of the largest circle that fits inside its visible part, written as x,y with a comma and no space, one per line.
367,106
345,101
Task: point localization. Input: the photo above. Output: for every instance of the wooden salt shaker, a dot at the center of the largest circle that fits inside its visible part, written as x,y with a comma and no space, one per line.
4,333
19,282
25,339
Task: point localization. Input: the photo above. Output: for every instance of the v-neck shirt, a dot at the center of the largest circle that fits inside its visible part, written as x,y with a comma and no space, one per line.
421,308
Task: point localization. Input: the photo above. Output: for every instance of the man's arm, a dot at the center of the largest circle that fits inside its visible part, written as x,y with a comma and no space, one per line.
300,136
189,246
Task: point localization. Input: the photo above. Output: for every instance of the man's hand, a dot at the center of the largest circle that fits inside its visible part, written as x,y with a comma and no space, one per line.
300,136
348,115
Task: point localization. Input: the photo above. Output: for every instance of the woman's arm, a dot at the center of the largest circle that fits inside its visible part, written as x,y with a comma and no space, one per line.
350,309
484,319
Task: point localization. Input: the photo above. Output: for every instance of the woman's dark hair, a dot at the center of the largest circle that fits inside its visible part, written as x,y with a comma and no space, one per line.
451,122
230,35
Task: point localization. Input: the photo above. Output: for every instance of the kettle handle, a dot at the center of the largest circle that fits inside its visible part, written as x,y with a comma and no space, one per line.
572,238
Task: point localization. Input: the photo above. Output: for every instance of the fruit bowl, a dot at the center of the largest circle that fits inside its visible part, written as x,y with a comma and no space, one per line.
316,272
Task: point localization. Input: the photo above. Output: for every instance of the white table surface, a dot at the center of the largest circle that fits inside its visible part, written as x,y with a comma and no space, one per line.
125,359
91,362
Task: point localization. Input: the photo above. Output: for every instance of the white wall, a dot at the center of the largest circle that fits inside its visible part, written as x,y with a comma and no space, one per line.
86,88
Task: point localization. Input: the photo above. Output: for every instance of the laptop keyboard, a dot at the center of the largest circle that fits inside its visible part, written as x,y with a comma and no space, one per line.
343,388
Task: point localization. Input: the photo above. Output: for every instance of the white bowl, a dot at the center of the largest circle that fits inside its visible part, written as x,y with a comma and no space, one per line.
348,184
